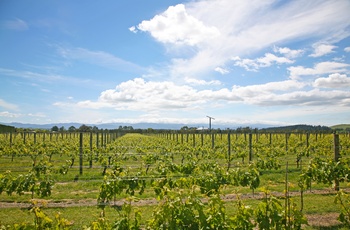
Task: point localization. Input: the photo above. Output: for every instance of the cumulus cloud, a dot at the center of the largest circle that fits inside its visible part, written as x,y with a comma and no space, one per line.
266,61
335,80
176,26
319,68
222,70
151,96
133,29
287,52
347,49
194,81
322,49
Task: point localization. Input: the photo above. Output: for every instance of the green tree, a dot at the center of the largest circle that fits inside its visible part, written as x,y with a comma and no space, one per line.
54,128
72,129
84,128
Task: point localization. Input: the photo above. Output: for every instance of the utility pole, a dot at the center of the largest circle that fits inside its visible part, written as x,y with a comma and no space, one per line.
210,118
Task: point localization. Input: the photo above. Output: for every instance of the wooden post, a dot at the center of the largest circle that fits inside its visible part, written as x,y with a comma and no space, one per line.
336,158
90,150
307,144
202,139
250,148
194,140
81,154
97,137
212,141
228,150
287,204
11,139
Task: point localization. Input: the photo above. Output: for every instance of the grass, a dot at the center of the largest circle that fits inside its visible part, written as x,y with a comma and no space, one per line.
313,204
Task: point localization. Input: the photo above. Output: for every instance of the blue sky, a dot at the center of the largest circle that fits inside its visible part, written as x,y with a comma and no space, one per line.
242,62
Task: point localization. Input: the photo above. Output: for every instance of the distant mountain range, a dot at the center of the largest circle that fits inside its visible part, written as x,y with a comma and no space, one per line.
172,126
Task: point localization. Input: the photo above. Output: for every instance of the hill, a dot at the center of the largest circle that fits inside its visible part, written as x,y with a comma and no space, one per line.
343,127
299,128
6,128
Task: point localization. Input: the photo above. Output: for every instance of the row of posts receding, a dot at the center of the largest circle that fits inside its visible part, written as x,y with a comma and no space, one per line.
109,137
102,138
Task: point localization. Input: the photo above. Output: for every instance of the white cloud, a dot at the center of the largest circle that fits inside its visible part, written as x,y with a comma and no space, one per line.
194,81
269,58
253,93
319,68
176,26
39,115
322,49
287,52
266,61
313,97
222,70
100,58
139,95
31,75
133,29
9,115
347,49
148,96
7,105
16,24
335,80
245,28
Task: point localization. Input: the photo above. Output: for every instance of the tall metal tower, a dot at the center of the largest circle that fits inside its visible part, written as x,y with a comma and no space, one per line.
210,118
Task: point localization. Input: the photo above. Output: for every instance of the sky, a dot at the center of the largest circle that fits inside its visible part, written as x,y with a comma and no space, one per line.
271,62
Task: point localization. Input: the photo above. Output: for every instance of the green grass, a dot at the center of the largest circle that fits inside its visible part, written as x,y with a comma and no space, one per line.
313,204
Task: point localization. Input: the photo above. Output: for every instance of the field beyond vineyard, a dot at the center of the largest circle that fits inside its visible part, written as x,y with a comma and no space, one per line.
174,181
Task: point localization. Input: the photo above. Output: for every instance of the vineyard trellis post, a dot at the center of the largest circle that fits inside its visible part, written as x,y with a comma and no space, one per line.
250,148
81,154
228,150
336,158
286,204
90,163
194,140
202,139
212,141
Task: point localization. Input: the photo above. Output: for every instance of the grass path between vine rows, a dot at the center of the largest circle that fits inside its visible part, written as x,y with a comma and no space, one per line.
63,203
314,219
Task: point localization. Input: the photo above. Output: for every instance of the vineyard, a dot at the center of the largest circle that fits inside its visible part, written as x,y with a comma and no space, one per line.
174,181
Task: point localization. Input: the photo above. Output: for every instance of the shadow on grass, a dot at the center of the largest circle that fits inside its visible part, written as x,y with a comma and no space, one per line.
336,227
